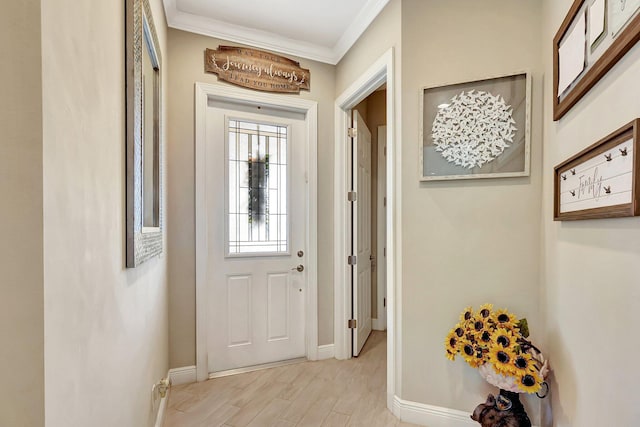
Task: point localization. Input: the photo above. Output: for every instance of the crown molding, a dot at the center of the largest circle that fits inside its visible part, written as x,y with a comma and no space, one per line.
358,26
270,41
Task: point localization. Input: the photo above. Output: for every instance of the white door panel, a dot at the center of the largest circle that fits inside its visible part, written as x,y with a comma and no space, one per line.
382,227
362,227
239,320
256,225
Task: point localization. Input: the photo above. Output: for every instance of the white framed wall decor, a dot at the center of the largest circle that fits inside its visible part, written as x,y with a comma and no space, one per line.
477,129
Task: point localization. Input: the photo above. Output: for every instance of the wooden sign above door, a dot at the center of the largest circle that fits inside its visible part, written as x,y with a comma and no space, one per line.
256,69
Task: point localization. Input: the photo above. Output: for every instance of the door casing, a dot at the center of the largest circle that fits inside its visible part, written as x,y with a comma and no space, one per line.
205,92
379,72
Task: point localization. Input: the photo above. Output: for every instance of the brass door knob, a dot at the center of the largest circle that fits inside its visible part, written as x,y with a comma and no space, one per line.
299,268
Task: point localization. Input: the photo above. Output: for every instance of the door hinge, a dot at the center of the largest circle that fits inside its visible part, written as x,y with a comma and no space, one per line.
385,202
352,132
351,324
352,196
384,302
384,251
352,260
385,150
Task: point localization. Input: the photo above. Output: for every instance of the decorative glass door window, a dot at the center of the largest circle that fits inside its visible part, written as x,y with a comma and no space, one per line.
257,186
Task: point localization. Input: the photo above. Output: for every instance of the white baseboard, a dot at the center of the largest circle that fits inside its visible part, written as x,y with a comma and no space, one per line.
326,352
184,375
429,415
378,325
162,410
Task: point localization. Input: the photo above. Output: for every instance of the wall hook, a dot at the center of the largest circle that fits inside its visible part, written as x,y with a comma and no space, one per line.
564,177
573,171
607,190
609,157
623,151
573,192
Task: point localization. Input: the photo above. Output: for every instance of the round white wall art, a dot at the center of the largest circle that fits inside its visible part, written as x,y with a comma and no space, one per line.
473,129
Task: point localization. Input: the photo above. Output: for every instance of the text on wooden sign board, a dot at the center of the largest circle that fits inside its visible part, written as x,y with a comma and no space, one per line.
256,69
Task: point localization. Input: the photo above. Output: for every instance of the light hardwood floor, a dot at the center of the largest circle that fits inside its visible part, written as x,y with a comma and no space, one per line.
327,393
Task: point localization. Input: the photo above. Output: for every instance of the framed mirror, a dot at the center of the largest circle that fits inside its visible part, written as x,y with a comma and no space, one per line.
144,135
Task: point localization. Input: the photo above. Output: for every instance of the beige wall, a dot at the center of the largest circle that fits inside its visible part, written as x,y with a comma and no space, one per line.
21,277
106,326
465,242
187,68
592,268
449,261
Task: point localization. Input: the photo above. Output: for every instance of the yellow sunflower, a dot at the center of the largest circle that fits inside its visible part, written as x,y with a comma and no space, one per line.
476,361
483,353
466,348
502,360
504,338
459,330
476,358
466,315
529,382
478,323
485,311
504,319
452,342
469,352
524,363
485,336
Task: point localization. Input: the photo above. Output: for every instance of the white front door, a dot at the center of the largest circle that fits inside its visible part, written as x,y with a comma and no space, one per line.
361,164
256,232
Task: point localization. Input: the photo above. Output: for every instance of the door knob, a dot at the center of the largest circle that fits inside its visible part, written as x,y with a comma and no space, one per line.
299,268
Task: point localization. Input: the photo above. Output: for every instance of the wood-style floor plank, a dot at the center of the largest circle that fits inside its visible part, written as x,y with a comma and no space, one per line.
330,393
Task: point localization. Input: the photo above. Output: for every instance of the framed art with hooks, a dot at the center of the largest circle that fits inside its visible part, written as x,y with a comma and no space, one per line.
601,181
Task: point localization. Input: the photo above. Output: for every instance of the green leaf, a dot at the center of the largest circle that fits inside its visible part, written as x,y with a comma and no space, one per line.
523,325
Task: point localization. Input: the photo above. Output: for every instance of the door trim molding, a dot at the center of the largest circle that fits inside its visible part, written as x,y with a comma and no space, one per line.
381,71
204,92
380,322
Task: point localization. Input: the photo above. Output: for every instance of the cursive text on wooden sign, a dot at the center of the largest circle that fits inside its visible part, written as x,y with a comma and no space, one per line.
256,69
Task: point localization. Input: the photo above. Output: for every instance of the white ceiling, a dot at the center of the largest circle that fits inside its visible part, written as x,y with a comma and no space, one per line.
321,30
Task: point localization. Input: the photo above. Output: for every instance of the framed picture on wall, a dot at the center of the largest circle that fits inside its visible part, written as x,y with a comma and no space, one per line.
601,181
144,217
476,129
593,37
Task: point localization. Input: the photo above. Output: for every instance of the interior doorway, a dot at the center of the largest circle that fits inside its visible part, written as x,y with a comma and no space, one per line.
368,174
379,74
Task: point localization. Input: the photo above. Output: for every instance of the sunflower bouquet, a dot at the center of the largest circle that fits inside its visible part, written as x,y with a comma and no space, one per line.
495,342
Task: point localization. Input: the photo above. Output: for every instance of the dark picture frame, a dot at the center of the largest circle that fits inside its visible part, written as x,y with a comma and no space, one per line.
606,52
601,181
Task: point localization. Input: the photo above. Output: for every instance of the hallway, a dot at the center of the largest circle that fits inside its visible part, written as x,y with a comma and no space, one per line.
326,393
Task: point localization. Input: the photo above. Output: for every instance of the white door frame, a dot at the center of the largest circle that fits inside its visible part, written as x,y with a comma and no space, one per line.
203,93
381,71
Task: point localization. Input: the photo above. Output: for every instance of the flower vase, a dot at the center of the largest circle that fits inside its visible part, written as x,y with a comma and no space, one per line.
502,410
517,409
